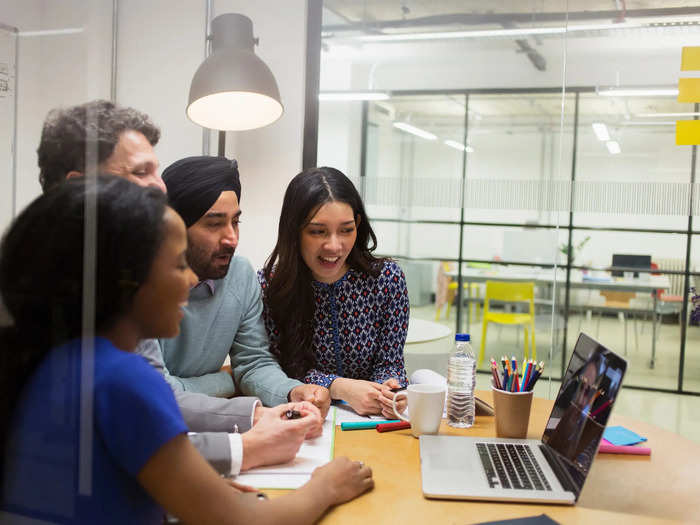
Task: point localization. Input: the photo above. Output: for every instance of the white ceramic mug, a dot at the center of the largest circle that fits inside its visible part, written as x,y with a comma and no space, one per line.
425,404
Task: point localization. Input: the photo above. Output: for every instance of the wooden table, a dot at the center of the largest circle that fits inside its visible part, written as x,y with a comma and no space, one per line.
662,488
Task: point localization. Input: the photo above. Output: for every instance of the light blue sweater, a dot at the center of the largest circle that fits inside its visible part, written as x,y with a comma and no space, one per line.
227,322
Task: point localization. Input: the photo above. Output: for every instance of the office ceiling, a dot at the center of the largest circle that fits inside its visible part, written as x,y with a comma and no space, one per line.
345,20
394,14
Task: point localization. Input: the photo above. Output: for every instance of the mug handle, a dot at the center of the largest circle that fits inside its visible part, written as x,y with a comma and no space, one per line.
393,405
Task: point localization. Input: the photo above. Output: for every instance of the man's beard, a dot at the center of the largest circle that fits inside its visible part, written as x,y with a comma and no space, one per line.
204,264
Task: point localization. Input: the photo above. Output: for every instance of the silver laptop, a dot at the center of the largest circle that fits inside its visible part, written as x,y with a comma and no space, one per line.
552,470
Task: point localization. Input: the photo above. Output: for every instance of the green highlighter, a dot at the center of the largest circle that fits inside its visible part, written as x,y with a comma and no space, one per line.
364,425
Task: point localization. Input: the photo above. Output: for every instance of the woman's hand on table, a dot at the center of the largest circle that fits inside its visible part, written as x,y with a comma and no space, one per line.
341,480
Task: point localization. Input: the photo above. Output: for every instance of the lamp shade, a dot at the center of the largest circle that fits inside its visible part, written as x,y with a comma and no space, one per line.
233,90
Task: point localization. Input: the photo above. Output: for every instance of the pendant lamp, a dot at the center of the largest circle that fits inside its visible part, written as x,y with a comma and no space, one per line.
233,89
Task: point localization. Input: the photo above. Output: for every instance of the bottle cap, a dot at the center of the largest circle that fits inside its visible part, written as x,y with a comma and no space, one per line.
462,337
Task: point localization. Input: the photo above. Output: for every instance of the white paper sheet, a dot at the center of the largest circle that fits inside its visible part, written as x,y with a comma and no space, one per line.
312,454
344,414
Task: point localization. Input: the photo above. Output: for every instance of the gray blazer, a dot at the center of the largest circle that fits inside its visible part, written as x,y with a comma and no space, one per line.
212,417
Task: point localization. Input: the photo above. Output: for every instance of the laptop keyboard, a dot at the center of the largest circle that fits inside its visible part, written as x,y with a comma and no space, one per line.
510,465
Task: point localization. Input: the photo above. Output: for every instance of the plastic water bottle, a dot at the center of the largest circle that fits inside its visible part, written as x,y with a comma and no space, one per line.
461,381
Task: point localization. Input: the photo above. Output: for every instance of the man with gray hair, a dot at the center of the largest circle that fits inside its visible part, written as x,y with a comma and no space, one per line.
119,139
102,137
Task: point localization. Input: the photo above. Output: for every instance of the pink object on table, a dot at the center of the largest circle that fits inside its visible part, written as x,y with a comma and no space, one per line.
608,448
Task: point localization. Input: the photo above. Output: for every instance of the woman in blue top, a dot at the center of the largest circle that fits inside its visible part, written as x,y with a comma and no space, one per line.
93,433
336,315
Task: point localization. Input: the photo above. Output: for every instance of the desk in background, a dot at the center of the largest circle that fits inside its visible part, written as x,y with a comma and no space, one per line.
663,488
547,278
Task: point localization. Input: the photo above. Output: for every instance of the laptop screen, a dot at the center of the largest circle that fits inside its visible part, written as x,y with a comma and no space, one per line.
581,410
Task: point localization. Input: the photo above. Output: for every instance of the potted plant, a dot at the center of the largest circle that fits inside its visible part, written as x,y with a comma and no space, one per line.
575,248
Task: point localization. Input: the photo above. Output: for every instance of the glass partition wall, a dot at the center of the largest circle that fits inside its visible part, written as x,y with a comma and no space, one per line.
495,147
517,185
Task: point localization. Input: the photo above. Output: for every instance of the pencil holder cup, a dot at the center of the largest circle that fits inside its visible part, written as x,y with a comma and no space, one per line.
512,413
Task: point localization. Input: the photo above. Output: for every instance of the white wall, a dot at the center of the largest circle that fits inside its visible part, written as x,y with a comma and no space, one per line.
54,70
160,43
270,157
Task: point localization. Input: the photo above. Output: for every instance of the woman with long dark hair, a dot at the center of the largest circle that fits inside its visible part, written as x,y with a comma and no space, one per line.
336,315
92,432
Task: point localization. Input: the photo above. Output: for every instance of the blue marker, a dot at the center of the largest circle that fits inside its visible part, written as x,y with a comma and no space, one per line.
364,425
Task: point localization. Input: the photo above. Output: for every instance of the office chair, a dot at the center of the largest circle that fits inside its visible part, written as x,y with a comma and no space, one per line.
447,291
509,292
621,303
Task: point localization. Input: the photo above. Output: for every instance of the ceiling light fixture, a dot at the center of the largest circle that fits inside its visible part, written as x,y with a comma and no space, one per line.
649,123
52,32
667,115
450,35
459,146
505,33
601,131
637,91
613,147
353,95
403,126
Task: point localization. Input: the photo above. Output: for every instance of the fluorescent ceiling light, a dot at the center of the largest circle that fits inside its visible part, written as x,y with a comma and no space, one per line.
458,145
482,33
353,95
650,123
603,27
601,131
666,115
415,131
448,35
613,147
52,32
638,92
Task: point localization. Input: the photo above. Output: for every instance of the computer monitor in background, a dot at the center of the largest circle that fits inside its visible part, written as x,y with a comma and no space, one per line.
626,261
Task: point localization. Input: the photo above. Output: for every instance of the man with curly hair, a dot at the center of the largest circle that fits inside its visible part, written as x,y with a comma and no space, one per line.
101,136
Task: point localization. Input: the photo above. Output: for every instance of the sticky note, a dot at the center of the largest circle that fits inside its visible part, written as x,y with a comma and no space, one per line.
689,90
690,58
687,132
622,436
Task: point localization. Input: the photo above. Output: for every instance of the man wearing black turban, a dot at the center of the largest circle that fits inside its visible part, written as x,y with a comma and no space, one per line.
223,315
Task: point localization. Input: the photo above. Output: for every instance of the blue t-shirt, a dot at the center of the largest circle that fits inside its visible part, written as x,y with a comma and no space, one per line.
48,476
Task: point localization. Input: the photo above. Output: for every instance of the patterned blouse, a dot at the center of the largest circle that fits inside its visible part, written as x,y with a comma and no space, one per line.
360,327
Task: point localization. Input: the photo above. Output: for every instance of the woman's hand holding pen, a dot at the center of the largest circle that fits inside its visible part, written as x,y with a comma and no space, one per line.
275,438
363,396
389,388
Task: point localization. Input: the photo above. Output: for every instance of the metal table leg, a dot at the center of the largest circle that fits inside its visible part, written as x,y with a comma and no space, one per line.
653,332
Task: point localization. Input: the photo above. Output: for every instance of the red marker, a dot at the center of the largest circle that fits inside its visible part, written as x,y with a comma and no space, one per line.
388,427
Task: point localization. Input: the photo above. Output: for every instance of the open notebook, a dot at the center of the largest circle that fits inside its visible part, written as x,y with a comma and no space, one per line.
312,454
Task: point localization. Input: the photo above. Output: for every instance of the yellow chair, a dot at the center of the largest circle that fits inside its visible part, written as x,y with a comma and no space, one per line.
447,290
510,292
